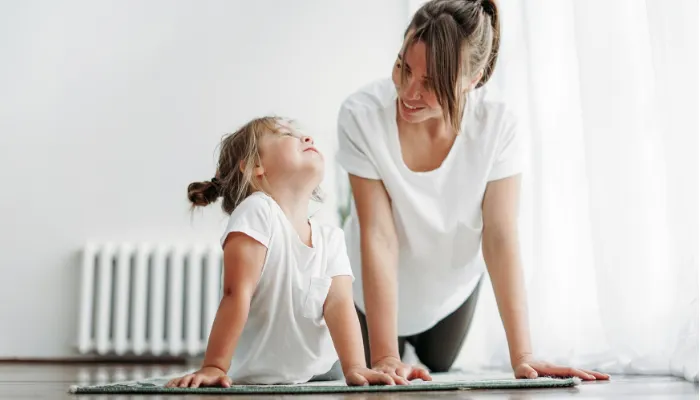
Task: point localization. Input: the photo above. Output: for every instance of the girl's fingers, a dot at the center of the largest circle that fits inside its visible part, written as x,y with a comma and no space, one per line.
225,381
173,382
356,379
399,380
185,382
197,380
403,371
380,378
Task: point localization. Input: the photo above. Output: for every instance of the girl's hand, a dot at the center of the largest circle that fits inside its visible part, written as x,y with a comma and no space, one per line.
362,376
529,369
401,373
207,376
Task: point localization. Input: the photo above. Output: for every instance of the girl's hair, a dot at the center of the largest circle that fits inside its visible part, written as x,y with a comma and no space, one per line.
239,154
448,28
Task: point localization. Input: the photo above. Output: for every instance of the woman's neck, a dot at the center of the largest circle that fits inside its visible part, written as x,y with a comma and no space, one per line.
436,128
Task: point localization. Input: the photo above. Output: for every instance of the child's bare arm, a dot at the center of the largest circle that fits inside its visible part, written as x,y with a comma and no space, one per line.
341,317
243,262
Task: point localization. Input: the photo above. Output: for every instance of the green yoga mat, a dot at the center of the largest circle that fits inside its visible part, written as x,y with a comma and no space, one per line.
157,386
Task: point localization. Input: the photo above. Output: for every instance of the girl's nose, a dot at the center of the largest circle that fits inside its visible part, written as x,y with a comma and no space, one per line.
307,139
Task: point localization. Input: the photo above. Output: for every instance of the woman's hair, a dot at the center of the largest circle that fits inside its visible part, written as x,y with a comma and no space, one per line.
449,28
239,154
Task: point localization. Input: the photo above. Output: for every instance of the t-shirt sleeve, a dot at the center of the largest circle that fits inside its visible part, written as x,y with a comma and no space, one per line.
353,154
251,217
338,261
508,160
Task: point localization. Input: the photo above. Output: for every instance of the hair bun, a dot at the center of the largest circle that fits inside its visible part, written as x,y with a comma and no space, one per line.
489,7
201,194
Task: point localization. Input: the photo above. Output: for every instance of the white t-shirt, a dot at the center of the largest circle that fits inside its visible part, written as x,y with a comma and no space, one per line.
437,214
286,339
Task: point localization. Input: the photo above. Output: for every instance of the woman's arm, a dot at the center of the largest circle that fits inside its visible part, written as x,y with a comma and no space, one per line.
502,255
340,315
379,248
243,262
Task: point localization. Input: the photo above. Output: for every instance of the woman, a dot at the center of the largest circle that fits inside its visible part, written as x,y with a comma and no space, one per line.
434,171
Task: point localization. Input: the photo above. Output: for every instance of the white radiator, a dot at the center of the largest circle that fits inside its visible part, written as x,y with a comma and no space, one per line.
148,299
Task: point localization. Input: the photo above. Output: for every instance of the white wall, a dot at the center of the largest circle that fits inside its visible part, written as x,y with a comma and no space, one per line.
108,109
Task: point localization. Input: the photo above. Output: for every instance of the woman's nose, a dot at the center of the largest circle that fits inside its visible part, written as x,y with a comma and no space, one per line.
412,90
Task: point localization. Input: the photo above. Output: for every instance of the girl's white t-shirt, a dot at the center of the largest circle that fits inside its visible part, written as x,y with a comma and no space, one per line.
286,339
437,214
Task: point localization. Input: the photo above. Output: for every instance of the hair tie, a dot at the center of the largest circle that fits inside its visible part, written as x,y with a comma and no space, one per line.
487,6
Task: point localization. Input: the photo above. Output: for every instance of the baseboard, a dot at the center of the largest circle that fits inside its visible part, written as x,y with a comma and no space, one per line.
101,359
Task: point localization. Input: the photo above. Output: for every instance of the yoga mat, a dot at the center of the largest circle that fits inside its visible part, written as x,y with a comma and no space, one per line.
156,386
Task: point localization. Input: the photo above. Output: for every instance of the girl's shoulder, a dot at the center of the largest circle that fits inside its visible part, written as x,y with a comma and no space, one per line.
328,234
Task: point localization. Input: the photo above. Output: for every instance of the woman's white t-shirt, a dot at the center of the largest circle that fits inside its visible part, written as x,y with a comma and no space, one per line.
286,339
437,214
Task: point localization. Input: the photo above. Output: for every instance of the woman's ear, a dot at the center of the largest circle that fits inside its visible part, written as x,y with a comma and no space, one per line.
469,85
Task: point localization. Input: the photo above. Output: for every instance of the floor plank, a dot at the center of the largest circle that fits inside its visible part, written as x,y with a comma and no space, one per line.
52,381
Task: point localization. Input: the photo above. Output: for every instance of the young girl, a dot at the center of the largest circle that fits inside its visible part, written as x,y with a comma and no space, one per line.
287,308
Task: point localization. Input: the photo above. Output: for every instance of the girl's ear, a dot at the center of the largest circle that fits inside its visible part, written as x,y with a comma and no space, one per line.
257,171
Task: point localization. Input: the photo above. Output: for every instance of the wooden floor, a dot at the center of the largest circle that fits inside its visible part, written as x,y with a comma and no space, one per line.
51,381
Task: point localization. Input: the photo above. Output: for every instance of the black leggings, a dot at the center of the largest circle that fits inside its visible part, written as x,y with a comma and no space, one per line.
438,347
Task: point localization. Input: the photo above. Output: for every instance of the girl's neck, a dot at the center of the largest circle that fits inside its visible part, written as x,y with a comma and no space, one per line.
295,206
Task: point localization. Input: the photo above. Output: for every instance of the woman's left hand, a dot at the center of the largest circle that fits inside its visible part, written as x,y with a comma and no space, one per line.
530,369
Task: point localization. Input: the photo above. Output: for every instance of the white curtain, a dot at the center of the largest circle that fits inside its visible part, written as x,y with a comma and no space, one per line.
606,92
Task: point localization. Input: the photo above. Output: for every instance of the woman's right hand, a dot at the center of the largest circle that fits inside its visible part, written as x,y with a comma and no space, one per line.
400,372
206,376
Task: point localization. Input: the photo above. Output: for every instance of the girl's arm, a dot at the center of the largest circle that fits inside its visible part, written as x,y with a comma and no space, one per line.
502,255
243,262
379,248
341,317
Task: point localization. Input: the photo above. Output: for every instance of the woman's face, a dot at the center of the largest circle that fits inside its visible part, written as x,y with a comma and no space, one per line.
417,101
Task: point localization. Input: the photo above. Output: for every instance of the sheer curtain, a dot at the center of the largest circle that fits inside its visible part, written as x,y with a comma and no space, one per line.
606,93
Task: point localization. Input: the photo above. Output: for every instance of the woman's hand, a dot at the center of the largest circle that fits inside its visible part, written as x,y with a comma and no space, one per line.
362,376
207,376
528,368
401,373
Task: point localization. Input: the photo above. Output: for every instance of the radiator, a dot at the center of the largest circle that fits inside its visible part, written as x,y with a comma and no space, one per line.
142,299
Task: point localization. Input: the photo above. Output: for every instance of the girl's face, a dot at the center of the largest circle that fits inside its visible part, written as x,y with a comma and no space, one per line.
290,157
416,99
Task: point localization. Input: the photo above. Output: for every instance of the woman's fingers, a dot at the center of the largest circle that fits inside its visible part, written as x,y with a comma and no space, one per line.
567,371
525,371
419,373
597,375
